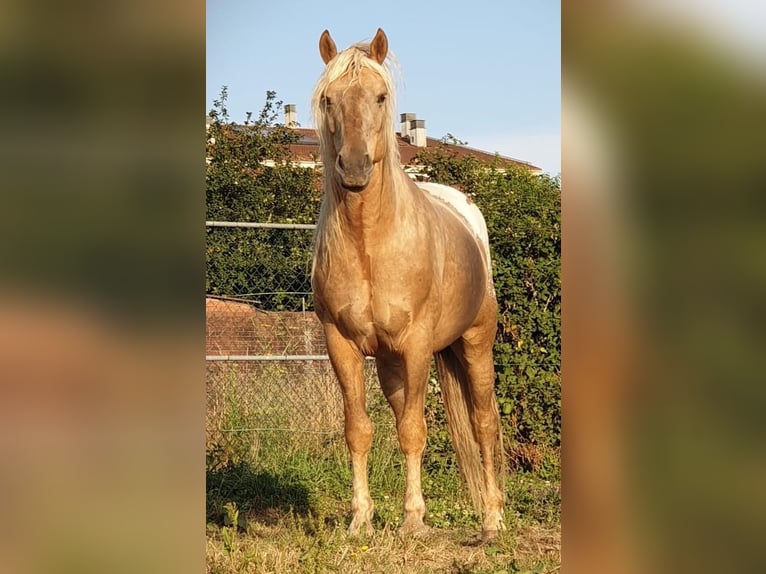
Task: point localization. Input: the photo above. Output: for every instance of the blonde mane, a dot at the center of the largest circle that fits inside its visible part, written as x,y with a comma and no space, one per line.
351,61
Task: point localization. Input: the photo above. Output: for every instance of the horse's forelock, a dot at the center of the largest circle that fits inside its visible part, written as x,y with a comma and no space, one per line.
352,60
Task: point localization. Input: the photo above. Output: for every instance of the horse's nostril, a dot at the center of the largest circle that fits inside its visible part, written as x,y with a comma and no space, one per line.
340,161
367,160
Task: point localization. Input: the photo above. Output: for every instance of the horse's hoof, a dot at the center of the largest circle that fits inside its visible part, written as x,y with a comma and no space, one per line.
416,530
493,524
360,528
366,530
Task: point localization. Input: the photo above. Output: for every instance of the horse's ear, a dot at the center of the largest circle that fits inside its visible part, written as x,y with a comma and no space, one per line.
327,47
379,46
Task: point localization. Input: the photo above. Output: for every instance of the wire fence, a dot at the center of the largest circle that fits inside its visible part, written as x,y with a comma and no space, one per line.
267,364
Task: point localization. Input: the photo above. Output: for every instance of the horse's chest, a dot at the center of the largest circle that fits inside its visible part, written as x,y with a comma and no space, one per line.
368,315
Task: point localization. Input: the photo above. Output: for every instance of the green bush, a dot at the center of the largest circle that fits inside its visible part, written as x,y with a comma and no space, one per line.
239,187
523,214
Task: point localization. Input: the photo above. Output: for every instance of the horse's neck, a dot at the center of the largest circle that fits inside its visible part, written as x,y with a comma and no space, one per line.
374,211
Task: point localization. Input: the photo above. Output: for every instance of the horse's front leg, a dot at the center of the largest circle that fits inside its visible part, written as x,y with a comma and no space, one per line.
411,427
348,364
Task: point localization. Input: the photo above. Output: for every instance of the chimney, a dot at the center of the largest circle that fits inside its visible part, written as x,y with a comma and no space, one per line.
291,116
406,119
417,131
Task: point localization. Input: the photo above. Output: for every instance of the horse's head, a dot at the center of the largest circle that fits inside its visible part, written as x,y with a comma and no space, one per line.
355,112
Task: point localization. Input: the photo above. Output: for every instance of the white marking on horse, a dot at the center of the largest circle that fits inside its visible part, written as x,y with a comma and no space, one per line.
463,205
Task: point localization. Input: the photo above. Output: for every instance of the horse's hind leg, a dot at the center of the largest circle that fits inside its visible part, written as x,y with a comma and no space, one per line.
348,364
475,349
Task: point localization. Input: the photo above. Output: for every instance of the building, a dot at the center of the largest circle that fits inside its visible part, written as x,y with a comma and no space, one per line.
412,138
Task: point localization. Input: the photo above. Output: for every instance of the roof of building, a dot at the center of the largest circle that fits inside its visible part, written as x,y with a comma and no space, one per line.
307,149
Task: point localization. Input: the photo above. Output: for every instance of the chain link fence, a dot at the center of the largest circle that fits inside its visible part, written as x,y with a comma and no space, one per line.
267,364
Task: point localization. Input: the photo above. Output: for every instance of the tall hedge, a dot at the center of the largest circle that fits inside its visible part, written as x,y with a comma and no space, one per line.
271,267
523,214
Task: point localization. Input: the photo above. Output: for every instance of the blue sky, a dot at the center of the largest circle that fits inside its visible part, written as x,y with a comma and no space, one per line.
489,72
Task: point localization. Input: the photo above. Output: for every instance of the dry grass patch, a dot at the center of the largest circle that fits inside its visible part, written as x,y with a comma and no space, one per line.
314,544
279,487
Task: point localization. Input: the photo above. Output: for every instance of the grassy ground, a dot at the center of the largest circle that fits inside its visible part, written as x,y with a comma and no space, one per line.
305,545
279,502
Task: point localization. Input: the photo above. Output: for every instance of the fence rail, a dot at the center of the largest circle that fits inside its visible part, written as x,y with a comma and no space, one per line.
267,357
253,225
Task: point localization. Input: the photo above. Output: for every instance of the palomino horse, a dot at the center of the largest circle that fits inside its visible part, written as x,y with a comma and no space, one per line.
401,272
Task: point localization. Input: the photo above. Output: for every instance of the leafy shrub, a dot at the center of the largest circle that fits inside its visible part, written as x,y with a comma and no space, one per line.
523,214
242,184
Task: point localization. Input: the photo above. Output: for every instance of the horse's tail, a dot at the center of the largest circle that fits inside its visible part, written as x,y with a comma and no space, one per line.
453,380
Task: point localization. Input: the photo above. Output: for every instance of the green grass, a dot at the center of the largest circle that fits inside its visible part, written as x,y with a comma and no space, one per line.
291,512
309,544
279,501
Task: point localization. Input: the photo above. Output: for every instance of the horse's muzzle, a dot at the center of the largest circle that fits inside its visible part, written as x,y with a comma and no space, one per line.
354,170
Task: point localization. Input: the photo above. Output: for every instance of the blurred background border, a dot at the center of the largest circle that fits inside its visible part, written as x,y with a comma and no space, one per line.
102,323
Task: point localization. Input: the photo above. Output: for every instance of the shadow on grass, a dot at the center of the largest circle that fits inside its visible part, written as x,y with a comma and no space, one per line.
262,495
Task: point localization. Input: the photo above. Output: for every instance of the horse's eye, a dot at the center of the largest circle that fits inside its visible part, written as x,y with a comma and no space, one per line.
381,98
326,102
